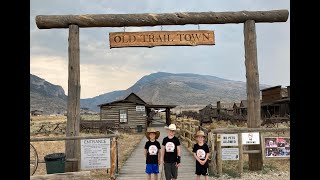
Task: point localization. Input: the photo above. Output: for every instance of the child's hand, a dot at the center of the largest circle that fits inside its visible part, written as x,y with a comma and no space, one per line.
202,162
177,165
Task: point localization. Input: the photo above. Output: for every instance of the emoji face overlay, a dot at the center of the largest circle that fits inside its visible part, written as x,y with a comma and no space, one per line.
201,154
170,147
153,150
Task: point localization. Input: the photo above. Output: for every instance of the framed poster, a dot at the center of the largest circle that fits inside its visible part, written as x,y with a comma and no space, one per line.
278,147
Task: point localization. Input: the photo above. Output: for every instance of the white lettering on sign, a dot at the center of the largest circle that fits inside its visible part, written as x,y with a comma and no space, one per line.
140,108
251,138
229,140
230,154
95,153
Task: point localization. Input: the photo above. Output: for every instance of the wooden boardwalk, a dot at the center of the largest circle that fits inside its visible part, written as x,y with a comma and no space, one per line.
134,167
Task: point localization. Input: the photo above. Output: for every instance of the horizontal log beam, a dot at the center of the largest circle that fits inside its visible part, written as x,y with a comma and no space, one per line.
251,151
72,138
148,19
240,130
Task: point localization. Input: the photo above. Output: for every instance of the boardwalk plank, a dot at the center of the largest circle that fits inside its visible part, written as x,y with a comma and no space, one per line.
134,167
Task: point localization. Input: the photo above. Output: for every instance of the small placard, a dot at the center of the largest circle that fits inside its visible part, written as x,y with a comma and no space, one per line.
229,140
230,154
95,153
250,138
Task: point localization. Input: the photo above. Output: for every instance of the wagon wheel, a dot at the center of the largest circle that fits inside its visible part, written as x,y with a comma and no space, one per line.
33,160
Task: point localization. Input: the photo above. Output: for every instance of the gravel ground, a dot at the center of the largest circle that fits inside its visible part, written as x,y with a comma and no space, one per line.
254,176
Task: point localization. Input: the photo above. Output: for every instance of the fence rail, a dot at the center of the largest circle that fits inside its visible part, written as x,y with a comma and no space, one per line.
188,128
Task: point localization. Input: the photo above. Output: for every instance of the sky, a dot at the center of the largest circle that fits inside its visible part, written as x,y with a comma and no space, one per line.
104,70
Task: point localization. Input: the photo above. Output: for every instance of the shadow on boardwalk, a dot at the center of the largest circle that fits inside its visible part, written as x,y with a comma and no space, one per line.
134,167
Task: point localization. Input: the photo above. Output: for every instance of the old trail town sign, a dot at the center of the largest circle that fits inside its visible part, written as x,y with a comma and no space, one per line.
161,38
74,22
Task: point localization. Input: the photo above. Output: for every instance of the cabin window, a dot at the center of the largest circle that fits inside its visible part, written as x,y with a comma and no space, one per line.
123,115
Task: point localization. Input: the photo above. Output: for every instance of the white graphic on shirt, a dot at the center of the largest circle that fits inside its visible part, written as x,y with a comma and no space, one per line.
153,150
170,147
201,154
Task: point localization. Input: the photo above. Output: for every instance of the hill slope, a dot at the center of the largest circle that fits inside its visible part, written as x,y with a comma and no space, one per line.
178,89
47,97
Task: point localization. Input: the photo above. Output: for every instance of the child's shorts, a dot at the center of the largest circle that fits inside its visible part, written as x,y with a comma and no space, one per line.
152,168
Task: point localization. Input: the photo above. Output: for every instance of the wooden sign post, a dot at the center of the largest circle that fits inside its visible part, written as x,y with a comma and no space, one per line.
161,38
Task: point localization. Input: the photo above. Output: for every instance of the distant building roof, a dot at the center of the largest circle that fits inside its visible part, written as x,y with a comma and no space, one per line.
279,86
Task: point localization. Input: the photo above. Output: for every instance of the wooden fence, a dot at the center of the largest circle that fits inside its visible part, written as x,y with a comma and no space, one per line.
188,127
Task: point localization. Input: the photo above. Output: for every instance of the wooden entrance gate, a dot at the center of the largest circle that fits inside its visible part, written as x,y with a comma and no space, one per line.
74,22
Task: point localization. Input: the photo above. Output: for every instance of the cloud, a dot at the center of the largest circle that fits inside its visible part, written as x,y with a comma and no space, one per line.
102,68
94,79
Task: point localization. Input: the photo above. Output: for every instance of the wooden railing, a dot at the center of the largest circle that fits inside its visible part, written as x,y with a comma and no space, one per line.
188,127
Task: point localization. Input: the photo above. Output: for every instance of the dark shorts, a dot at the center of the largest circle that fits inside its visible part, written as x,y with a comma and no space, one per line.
202,170
152,168
170,170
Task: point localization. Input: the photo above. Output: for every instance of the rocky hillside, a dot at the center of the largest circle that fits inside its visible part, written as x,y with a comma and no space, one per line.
157,88
49,98
178,89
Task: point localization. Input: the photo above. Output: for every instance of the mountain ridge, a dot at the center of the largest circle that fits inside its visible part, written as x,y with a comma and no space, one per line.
156,88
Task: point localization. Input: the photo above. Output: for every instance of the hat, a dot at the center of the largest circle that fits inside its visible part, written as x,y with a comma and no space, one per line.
199,133
152,130
171,127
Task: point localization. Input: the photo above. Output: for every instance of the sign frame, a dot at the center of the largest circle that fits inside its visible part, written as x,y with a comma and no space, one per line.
264,147
222,138
85,160
161,38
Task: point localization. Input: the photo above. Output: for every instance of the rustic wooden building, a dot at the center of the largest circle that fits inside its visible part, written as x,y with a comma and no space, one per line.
208,113
36,113
224,107
275,102
236,109
244,108
126,113
130,112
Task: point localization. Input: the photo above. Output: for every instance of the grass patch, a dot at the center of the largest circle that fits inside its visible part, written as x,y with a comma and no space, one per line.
267,168
232,173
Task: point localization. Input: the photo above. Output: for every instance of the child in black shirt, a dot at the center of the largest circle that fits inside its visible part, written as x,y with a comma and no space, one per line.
171,153
152,153
200,153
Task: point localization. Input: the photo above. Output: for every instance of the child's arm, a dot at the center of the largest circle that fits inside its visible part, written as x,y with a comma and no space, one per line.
207,156
162,152
145,153
196,157
159,156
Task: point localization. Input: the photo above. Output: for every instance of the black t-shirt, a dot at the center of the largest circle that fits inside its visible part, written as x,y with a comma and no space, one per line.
201,152
153,149
170,151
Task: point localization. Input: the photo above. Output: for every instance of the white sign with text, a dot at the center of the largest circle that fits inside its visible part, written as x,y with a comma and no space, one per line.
230,154
229,139
250,138
95,153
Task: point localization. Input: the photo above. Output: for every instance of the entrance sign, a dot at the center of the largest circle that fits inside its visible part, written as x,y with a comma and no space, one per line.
250,138
230,154
75,22
161,38
95,153
229,140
